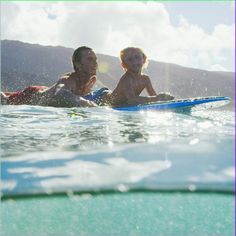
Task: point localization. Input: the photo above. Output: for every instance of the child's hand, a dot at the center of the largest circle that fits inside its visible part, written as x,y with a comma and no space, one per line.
165,97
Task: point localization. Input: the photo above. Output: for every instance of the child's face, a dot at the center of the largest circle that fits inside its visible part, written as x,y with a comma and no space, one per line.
133,61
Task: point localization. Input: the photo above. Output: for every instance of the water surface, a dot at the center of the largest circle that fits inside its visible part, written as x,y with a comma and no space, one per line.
47,149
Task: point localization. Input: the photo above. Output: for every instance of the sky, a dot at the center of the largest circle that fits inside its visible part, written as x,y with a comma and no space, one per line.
192,34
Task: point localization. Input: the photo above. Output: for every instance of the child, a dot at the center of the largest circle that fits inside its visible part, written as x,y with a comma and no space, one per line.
133,82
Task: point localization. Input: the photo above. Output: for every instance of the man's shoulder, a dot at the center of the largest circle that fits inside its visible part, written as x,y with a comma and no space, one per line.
66,76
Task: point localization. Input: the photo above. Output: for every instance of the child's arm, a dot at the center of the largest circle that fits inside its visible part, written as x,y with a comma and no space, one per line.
153,97
151,91
132,98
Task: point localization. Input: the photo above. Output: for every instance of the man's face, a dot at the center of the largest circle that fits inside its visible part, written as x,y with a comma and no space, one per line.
88,63
133,60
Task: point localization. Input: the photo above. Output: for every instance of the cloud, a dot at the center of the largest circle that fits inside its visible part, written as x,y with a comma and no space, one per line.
110,26
29,22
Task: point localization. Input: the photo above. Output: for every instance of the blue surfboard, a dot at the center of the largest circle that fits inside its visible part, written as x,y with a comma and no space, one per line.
200,102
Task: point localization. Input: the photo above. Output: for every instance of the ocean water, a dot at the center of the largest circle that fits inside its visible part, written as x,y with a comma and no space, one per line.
46,149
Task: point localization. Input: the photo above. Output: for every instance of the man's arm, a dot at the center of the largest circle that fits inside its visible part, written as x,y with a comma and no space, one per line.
88,86
60,96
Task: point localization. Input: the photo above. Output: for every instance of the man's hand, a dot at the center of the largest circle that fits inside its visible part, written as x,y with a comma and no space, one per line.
4,99
85,103
88,86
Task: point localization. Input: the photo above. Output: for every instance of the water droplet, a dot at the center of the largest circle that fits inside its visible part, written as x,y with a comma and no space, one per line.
194,141
192,187
122,188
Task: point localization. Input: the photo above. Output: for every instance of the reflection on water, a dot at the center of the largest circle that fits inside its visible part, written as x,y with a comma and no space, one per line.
143,166
132,129
36,172
31,129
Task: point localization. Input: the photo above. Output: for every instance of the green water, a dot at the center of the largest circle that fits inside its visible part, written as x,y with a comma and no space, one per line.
169,214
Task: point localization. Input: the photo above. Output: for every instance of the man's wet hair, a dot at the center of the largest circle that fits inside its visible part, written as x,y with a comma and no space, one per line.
76,57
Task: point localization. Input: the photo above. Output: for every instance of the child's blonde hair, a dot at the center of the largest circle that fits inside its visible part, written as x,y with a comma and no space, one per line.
124,52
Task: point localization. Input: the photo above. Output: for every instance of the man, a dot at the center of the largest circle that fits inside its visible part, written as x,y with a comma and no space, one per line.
71,87
68,91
